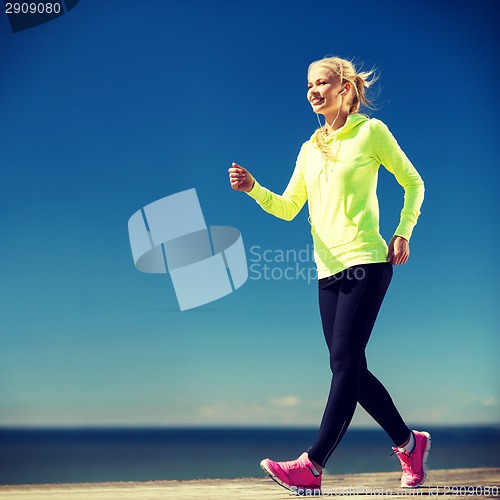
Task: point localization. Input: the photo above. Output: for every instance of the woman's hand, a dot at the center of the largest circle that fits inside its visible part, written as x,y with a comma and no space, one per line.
240,179
399,251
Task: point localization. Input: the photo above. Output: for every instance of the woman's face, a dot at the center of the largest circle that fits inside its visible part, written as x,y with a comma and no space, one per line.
324,91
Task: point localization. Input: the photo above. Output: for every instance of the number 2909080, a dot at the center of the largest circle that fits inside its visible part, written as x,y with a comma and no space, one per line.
32,8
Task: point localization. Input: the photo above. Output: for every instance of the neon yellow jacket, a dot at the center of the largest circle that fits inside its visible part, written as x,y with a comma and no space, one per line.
341,194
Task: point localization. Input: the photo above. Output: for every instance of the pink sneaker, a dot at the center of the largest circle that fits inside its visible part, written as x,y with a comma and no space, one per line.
295,475
413,463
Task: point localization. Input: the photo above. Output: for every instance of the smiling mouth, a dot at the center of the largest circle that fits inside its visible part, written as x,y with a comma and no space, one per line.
317,101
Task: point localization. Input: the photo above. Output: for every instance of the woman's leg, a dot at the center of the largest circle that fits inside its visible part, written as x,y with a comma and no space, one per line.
349,308
377,402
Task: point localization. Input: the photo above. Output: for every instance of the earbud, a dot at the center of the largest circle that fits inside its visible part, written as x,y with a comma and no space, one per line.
344,90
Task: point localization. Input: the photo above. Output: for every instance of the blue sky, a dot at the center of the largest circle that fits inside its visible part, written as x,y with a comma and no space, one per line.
117,104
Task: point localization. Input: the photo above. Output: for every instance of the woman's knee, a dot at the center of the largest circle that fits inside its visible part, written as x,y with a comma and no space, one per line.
347,362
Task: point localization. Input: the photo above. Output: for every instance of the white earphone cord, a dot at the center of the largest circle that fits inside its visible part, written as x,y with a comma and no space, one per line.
326,123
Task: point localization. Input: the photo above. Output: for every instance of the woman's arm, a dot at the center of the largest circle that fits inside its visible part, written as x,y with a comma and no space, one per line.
388,152
285,206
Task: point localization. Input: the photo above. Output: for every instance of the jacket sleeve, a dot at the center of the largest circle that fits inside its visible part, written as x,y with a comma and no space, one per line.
289,204
391,156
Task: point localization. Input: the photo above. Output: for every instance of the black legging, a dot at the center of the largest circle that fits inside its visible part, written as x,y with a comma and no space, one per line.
349,303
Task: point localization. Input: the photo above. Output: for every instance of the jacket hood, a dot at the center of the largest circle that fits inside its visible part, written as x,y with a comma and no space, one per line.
354,120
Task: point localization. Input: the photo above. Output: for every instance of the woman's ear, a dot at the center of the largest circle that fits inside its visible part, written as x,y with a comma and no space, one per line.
345,88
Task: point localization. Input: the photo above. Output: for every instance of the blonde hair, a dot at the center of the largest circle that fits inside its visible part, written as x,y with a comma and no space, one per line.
359,80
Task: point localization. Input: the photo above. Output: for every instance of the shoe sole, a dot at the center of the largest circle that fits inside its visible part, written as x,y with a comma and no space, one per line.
424,462
295,489
263,466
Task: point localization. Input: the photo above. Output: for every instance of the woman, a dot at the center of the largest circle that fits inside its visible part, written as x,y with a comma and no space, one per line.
336,172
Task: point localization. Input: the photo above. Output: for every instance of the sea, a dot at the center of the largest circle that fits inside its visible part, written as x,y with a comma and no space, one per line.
45,456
